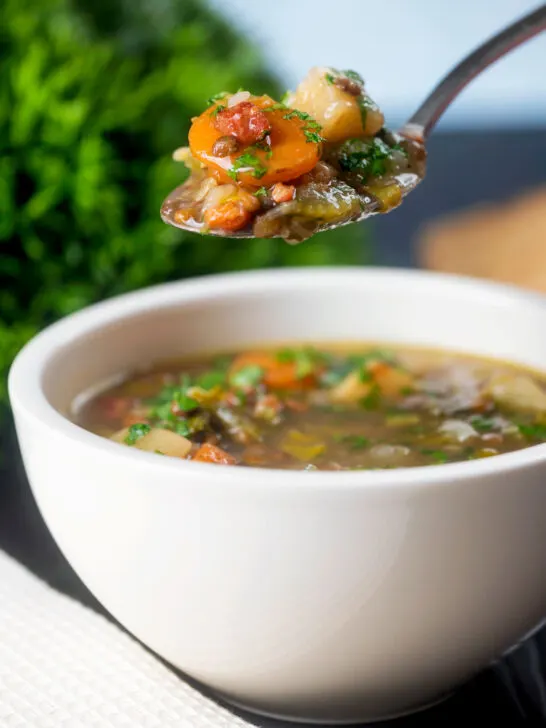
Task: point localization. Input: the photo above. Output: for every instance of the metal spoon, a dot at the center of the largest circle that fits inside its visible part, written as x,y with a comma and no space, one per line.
420,125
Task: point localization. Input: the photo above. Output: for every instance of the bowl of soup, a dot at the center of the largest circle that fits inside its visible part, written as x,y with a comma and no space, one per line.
321,493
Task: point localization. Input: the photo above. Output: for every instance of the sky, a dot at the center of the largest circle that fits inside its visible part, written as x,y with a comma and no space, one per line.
402,48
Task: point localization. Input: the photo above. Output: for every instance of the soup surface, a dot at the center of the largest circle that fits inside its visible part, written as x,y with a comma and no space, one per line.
289,169
308,408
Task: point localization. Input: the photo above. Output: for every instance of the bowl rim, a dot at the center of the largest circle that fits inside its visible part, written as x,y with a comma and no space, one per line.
27,396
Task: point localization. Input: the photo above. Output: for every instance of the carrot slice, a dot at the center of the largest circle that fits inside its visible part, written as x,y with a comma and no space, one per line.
208,453
291,152
277,375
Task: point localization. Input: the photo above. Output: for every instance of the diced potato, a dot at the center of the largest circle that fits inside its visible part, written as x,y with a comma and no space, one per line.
350,389
158,440
517,391
338,112
390,380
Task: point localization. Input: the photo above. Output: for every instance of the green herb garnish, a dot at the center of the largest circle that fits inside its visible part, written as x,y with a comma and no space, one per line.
247,377
355,442
365,158
275,107
330,78
482,424
182,428
438,456
261,192
211,379
217,97
217,109
247,162
354,76
305,359
136,432
372,400
535,431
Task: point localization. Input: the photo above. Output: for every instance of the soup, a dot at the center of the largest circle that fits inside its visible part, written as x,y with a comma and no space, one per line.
325,408
289,169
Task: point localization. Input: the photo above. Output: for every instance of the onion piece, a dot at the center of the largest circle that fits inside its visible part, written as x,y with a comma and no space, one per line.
238,98
457,430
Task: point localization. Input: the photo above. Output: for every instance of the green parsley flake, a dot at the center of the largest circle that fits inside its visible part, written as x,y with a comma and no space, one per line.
247,162
211,379
372,400
535,431
216,97
354,442
261,192
247,377
438,456
330,78
183,428
217,109
365,158
136,432
354,76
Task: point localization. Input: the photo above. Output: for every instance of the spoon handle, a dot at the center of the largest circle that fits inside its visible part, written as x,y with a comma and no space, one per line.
424,120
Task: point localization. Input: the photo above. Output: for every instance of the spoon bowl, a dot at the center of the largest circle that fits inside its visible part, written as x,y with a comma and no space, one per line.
416,130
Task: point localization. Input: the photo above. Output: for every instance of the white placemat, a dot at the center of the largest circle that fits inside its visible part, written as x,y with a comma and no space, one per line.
64,666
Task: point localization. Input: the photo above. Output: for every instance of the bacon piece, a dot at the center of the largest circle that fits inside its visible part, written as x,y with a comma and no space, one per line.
244,121
282,193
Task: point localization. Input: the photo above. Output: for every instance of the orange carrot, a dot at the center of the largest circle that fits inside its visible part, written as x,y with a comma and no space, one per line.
288,151
277,375
208,453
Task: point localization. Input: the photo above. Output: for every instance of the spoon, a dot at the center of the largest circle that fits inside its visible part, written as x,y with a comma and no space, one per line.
418,128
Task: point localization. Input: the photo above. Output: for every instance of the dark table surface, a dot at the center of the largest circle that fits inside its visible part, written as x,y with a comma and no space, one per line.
501,164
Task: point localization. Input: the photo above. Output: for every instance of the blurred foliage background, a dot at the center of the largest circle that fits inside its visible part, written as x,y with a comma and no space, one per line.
94,97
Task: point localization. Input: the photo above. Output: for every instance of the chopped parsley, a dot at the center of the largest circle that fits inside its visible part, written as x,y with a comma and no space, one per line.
330,78
438,456
354,76
261,192
372,400
535,431
211,379
374,355
482,424
263,146
183,428
217,109
365,158
304,359
217,97
313,137
311,128
136,432
247,162
247,377
363,374
355,442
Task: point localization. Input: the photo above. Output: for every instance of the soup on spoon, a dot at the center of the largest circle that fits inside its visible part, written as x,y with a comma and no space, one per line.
320,158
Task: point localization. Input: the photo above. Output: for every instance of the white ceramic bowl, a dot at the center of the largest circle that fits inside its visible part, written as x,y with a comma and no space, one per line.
319,596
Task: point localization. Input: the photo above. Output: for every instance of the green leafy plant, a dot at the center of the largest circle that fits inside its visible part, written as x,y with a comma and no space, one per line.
94,97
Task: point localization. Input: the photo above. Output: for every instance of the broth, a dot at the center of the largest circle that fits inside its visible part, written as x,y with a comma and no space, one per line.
357,407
